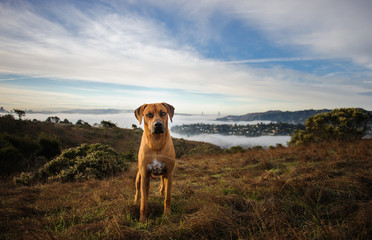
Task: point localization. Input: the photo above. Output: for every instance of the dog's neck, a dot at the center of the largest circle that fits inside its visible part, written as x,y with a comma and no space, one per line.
156,141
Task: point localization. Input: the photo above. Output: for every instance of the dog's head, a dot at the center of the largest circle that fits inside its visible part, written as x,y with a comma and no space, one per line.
155,116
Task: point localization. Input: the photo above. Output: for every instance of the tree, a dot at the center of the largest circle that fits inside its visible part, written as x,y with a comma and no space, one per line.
82,123
53,119
345,124
20,113
66,121
107,124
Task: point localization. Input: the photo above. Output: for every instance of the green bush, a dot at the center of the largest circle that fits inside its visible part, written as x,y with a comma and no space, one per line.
25,153
26,179
257,148
236,149
346,124
80,163
10,160
48,146
25,145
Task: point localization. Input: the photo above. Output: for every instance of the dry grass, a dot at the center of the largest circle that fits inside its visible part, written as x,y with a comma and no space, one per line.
321,191
122,140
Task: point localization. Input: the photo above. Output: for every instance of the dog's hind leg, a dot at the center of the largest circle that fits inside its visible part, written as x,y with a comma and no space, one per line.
138,187
168,193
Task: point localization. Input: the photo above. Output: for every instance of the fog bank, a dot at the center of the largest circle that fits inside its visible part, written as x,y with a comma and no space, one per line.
229,141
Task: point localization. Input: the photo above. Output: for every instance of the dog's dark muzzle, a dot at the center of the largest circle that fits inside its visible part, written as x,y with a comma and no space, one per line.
158,127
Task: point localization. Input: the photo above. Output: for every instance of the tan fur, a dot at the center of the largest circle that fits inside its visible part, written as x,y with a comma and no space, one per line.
158,147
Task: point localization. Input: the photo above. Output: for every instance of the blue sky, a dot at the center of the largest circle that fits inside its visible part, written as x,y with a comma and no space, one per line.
228,56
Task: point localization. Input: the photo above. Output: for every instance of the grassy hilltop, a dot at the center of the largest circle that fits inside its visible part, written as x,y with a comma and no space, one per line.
33,143
69,135
314,191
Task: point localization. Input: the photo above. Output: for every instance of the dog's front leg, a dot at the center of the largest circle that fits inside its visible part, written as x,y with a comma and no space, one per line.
137,185
168,193
145,185
161,187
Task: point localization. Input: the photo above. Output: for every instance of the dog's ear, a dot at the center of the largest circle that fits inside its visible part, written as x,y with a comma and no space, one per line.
139,113
170,110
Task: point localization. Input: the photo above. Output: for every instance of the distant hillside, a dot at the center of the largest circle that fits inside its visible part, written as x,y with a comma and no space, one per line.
276,116
82,111
69,135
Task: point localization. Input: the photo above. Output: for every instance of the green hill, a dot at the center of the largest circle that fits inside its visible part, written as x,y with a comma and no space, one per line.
276,116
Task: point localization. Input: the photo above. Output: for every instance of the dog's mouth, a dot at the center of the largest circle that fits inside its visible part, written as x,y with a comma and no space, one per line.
158,130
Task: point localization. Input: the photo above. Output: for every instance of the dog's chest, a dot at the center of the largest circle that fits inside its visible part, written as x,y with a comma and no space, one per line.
156,167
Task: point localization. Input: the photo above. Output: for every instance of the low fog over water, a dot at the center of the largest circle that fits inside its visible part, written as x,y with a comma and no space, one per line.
229,141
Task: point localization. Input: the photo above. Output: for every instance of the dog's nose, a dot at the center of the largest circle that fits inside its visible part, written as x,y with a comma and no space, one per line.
158,124
158,127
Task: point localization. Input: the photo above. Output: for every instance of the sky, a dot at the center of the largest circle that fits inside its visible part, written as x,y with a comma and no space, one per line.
210,56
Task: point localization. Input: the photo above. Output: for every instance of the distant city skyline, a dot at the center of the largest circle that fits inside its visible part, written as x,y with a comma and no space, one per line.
232,57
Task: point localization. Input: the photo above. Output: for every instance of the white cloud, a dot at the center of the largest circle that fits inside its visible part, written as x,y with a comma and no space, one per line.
322,28
339,29
132,49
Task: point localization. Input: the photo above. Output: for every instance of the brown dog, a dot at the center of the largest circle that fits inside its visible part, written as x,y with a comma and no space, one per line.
156,156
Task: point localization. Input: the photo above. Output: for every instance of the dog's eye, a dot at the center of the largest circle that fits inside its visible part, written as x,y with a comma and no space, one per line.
162,114
149,115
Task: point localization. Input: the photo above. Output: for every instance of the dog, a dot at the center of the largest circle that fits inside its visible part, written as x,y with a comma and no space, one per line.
156,156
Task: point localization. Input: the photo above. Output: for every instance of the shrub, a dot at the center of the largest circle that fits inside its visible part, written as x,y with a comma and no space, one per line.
54,119
235,149
25,145
107,124
10,160
257,148
8,116
130,157
82,123
48,146
301,137
66,121
25,153
340,124
80,163
26,179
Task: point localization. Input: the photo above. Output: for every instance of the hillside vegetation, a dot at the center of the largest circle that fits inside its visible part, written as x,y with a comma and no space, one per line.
28,145
322,190
343,124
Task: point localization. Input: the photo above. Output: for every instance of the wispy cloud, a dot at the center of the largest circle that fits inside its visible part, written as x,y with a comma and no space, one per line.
322,28
270,60
119,43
